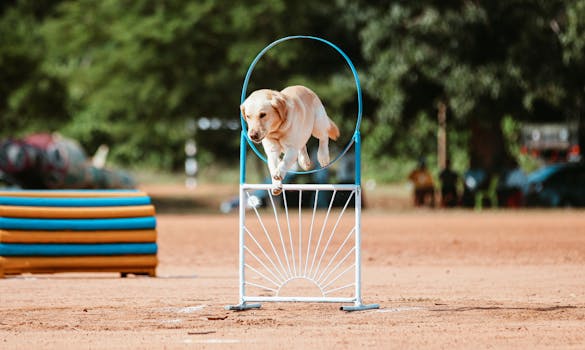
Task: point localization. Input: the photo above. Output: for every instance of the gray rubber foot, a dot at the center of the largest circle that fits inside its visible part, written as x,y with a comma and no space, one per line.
242,307
360,307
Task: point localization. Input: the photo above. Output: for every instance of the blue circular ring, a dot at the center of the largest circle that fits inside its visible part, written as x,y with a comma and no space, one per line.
357,85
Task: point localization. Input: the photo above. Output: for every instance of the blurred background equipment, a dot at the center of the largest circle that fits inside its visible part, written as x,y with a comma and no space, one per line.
556,185
191,166
51,161
552,142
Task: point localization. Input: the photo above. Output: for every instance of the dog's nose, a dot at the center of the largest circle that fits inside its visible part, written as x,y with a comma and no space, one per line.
254,135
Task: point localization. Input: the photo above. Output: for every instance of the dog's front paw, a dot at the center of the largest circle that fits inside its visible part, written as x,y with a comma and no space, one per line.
276,191
276,185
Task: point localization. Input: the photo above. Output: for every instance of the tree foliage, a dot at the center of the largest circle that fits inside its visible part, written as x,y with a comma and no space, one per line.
30,97
136,71
130,73
483,59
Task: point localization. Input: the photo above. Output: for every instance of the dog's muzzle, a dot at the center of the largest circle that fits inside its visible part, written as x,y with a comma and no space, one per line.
255,136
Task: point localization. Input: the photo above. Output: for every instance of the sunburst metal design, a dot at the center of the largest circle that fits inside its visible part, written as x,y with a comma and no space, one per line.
285,252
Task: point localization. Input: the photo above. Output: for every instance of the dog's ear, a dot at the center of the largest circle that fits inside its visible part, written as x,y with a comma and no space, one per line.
243,111
278,101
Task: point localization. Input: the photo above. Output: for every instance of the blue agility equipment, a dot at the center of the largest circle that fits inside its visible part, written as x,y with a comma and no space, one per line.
15,249
137,223
278,257
50,231
356,135
75,202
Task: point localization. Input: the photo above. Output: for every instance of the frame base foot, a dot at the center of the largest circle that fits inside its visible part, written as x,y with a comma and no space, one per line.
359,307
242,307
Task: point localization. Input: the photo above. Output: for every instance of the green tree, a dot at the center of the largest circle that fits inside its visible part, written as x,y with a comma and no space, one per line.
135,71
31,99
570,28
130,73
484,60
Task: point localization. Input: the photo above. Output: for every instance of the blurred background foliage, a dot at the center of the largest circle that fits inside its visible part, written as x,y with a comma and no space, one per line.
131,73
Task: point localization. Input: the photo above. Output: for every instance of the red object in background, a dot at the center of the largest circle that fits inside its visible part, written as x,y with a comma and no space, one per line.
514,200
41,140
575,150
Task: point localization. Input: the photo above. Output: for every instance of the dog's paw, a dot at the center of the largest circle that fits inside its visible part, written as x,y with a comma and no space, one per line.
323,157
276,191
276,185
306,164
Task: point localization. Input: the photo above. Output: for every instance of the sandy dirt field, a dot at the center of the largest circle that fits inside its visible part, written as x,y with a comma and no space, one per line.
443,279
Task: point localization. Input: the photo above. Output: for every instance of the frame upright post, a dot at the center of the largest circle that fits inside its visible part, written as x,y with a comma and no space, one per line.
358,306
242,221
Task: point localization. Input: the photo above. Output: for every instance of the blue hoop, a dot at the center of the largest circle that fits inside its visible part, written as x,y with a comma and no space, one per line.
357,85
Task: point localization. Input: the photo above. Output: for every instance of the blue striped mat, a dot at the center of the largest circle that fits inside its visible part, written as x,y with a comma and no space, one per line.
148,222
74,202
18,249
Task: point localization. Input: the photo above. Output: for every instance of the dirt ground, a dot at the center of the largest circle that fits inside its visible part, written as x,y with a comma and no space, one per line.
443,279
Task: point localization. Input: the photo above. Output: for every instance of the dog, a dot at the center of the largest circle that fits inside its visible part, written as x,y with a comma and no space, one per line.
283,121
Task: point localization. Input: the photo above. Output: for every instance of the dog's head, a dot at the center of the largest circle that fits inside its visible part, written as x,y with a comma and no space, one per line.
264,112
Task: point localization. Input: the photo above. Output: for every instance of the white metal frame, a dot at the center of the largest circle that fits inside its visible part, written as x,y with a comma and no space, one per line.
276,276
281,266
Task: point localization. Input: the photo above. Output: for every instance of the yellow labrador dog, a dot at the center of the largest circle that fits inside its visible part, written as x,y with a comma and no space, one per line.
283,121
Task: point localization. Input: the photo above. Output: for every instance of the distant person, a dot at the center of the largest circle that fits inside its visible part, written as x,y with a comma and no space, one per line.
448,178
424,187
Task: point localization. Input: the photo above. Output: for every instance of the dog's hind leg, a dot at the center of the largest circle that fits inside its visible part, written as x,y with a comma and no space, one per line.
304,159
323,130
323,152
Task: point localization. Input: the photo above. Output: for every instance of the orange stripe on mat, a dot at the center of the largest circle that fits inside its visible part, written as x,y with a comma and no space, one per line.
107,236
72,194
145,264
76,212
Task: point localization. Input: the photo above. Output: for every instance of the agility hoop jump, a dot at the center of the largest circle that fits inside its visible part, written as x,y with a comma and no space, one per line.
291,251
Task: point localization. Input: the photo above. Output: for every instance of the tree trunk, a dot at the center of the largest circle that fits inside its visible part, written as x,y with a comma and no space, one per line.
581,130
442,135
487,149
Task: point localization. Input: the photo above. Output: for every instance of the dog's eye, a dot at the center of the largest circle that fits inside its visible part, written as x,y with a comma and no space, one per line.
262,115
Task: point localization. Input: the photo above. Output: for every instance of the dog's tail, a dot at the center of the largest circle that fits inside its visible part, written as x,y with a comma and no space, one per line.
333,131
